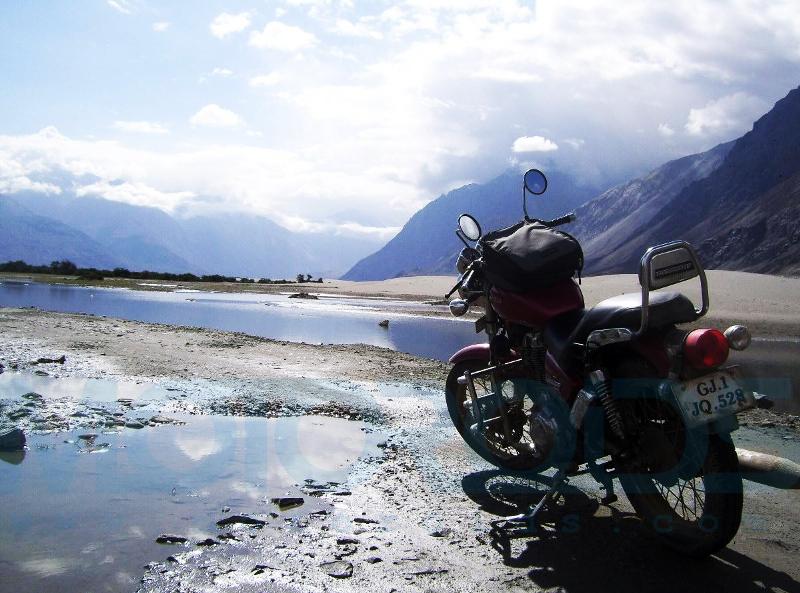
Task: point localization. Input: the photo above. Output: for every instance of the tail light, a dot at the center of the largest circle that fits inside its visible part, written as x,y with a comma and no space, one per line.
705,348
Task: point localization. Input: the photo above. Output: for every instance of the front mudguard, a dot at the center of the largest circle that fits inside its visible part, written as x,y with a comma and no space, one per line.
476,352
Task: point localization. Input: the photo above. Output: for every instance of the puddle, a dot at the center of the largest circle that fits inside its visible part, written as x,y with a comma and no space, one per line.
13,385
84,515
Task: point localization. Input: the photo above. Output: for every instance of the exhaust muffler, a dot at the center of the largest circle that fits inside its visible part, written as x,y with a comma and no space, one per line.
769,470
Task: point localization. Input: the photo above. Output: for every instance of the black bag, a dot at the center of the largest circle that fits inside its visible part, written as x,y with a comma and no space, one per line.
530,255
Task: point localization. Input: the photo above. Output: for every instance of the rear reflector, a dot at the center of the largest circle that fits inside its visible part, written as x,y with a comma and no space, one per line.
705,348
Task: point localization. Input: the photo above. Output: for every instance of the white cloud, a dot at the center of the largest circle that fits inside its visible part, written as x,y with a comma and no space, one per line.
264,80
136,193
225,24
222,72
214,116
160,26
355,29
123,6
282,37
282,185
533,144
575,143
141,127
665,130
724,115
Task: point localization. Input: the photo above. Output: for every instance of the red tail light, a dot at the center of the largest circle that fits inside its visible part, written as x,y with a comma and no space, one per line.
705,348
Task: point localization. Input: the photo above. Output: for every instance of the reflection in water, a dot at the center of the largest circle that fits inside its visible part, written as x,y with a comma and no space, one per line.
337,320
12,457
78,389
76,521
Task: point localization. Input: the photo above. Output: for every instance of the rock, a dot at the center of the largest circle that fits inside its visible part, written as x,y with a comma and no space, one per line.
33,396
338,569
374,560
384,323
12,440
60,360
134,424
240,520
161,420
365,520
19,413
343,541
171,539
288,502
87,437
303,295
41,373
442,532
208,542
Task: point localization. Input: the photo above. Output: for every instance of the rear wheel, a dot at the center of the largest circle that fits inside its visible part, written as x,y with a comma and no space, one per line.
492,444
685,485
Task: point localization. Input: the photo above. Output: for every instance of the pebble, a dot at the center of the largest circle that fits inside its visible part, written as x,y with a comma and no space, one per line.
288,502
171,539
133,424
242,520
338,569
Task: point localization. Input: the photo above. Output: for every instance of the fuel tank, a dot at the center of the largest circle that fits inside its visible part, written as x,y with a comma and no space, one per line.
534,308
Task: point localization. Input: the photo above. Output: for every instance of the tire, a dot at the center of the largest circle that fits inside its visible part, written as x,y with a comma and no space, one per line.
664,483
489,448
690,533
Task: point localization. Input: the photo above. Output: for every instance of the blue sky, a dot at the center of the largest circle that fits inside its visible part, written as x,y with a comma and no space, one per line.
348,116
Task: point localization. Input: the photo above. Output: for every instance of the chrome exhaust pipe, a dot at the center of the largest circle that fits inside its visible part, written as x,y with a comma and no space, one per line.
769,470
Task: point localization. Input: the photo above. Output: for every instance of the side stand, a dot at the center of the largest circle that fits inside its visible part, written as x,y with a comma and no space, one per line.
559,480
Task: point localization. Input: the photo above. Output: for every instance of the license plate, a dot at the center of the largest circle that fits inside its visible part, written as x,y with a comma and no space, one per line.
712,396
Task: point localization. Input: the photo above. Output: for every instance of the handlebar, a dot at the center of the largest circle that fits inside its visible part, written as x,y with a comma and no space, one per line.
567,218
464,277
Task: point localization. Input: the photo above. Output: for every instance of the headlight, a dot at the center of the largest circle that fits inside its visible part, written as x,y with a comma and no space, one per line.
459,307
738,337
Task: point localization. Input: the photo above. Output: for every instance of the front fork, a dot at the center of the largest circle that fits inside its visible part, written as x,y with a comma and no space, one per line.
492,403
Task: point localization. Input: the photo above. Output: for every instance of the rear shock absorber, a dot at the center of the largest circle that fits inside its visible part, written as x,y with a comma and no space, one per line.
603,390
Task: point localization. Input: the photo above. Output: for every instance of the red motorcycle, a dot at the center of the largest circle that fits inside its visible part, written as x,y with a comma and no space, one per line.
618,390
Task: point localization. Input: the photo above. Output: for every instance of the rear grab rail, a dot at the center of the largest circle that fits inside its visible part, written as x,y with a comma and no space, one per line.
668,264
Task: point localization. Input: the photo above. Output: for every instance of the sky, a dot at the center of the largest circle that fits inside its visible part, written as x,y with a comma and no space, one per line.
346,117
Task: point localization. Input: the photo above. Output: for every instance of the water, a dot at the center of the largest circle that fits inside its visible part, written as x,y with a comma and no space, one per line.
78,388
330,320
83,516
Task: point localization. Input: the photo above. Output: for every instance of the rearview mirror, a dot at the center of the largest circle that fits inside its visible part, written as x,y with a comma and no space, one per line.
469,227
535,182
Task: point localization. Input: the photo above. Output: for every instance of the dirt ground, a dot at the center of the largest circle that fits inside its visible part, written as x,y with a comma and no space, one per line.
419,516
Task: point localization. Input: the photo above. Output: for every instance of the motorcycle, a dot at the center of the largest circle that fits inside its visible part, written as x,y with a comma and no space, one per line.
618,391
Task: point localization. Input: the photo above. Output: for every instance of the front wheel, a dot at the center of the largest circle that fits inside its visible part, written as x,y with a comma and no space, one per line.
492,445
696,515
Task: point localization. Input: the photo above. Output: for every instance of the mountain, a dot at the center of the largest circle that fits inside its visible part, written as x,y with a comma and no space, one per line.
40,240
105,232
604,224
427,243
738,204
743,215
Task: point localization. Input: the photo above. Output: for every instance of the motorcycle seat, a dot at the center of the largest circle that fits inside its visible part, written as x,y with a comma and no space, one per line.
564,331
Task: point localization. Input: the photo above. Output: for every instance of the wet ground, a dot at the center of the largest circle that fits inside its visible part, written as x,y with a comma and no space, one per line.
411,509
